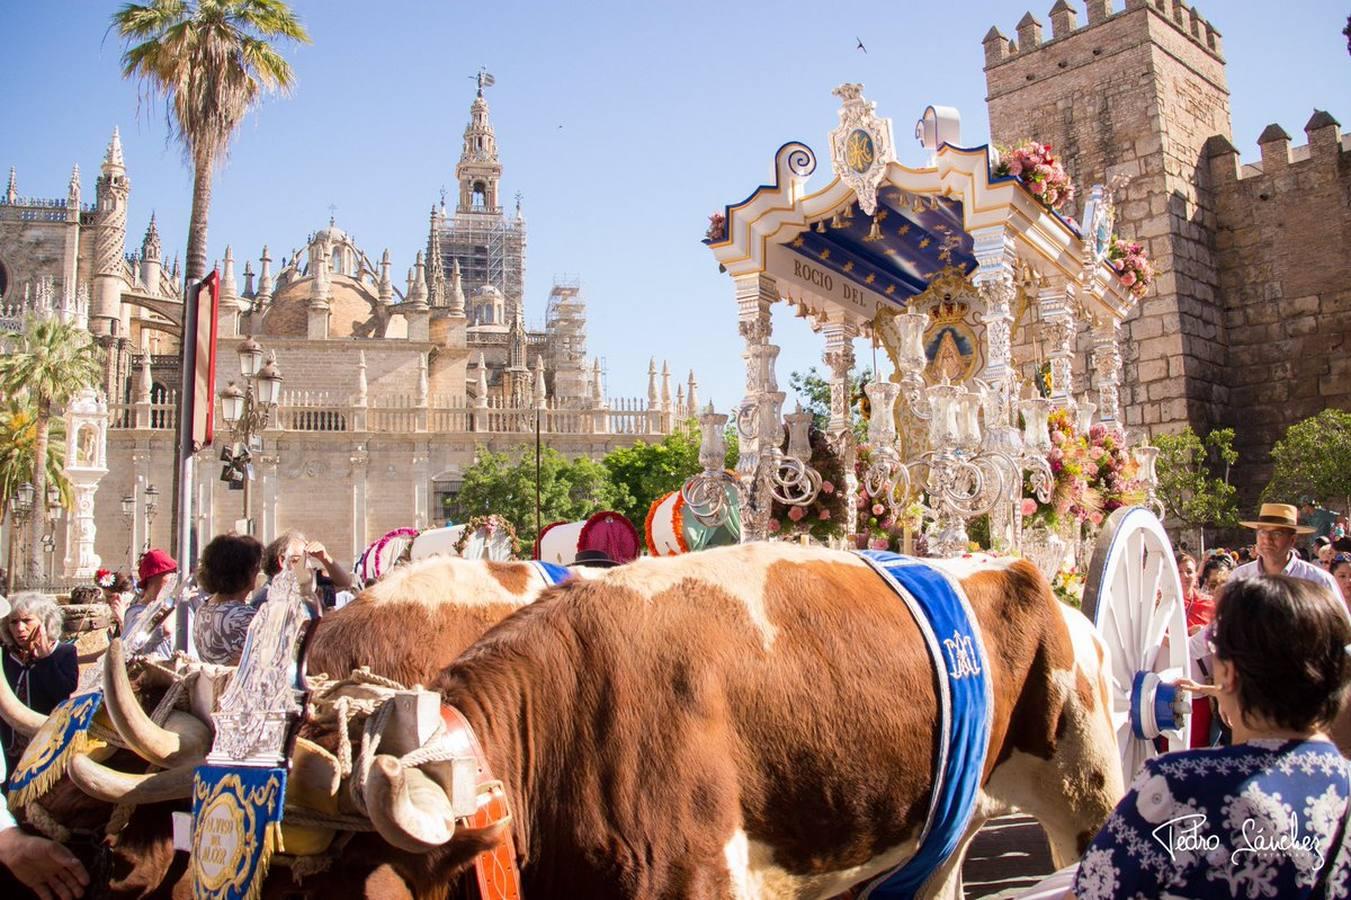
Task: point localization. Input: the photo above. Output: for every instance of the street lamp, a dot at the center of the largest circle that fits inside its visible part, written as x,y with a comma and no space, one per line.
129,517
49,539
151,510
20,508
247,411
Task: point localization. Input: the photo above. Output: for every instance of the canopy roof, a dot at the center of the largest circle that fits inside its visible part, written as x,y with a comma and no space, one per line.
822,245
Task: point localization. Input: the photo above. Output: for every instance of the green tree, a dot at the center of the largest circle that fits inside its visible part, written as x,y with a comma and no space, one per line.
1313,459
1194,479
812,386
211,61
18,433
48,365
505,485
644,472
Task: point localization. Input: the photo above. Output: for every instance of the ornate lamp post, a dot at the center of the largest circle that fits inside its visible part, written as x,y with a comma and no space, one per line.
151,510
49,538
247,411
20,508
129,517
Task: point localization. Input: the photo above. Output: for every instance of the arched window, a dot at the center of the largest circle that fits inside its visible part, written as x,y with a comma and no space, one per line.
480,199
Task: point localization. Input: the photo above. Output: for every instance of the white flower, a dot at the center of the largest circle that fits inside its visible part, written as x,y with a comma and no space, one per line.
1323,813
1154,801
1097,876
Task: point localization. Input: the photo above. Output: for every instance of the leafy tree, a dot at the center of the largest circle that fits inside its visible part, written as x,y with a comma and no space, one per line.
815,388
211,61
48,365
643,472
1313,459
1189,486
505,485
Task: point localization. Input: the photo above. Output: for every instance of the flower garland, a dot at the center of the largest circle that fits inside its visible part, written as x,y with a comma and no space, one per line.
1068,587
878,528
1131,262
1094,475
717,228
823,518
1039,170
489,523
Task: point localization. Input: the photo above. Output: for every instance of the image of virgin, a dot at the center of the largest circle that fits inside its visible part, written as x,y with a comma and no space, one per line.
949,352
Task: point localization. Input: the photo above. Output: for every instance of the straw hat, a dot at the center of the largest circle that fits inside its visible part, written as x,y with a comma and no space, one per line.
1278,515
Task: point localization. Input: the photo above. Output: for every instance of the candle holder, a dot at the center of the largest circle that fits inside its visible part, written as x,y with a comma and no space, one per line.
1147,458
709,496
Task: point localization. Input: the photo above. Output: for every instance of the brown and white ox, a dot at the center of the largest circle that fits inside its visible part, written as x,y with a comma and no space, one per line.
407,627
756,721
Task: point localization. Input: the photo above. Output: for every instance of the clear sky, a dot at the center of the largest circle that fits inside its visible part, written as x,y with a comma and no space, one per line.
622,124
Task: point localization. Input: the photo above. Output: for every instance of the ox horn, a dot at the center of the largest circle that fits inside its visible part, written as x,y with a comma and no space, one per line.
407,808
16,713
112,786
182,738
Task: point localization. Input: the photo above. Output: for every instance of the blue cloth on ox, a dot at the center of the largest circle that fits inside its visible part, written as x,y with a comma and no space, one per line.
966,707
65,733
551,573
236,827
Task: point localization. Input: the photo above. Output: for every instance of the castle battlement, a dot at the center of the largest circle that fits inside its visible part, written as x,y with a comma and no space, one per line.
999,49
1326,143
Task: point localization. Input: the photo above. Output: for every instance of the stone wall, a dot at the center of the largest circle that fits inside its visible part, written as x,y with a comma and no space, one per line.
1285,275
1135,93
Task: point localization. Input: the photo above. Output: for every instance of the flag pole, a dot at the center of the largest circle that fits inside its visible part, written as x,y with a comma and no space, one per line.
187,397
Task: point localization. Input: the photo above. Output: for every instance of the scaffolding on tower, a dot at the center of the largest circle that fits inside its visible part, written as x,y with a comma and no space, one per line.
565,324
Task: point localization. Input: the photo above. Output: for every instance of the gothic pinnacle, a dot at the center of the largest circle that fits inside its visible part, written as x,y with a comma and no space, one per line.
112,159
75,183
150,246
12,191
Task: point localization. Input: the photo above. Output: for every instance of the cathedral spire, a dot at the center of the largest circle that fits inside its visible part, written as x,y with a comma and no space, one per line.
456,289
479,169
112,159
73,191
12,191
436,273
150,246
386,287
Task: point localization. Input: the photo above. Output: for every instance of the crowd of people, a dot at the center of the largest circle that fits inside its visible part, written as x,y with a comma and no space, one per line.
1270,640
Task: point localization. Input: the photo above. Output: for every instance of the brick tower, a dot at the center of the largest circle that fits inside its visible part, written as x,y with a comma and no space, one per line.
1135,92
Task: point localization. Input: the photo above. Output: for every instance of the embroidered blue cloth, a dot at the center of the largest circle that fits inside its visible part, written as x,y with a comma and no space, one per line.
236,827
552,574
966,708
44,760
1253,820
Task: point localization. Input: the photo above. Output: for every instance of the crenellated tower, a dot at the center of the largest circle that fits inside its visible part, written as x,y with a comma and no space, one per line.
1131,98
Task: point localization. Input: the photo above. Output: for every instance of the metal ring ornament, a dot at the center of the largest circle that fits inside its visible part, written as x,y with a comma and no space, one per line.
705,496
793,482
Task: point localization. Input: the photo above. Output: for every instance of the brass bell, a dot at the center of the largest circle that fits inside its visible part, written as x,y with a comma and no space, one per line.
821,227
875,232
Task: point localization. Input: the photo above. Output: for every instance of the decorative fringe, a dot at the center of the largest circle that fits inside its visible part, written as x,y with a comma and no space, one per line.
79,742
272,843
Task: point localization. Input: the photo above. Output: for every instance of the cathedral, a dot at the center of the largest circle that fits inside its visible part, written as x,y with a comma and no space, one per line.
391,386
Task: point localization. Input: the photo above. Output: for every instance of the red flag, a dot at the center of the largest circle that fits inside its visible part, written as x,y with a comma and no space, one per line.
204,373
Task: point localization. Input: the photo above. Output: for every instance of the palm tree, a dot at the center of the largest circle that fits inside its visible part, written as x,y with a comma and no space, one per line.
50,363
18,433
211,62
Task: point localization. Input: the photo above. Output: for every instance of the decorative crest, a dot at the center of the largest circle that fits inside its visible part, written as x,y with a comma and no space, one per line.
861,146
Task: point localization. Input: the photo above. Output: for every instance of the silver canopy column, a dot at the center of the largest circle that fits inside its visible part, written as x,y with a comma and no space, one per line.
839,356
996,256
758,416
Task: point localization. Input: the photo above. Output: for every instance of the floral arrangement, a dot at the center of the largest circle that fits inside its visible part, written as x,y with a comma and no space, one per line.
878,528
824,517
1044,382
105,578
717,228
490,524
1039,170
1131,262
1094,473
1068,587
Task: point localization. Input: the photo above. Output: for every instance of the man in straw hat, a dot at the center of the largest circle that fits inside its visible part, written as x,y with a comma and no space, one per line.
1277,526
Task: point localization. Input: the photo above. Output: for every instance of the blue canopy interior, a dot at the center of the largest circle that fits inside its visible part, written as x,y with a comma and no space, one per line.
914,244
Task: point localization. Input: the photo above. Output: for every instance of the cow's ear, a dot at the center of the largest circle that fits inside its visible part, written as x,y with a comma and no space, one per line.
469,843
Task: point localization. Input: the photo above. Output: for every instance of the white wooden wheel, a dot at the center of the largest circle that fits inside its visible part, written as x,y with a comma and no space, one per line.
1133,595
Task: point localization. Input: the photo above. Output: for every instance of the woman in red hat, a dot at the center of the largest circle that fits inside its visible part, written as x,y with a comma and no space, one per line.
152,577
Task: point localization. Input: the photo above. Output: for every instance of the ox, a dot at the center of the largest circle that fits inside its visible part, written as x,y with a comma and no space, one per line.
754,721
407,627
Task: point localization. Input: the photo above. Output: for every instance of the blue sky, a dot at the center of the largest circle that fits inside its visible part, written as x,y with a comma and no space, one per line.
623,125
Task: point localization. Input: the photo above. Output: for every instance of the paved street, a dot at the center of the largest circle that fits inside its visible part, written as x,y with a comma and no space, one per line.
1009,856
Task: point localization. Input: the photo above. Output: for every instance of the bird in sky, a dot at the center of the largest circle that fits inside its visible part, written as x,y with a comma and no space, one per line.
860,44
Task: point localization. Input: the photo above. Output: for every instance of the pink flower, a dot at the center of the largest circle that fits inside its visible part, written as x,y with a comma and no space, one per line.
1057,438
1037,187
1095,517
1128,278
796,513
774,525
1029,506
824,516
878,509
1015,167
827,487
879,543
